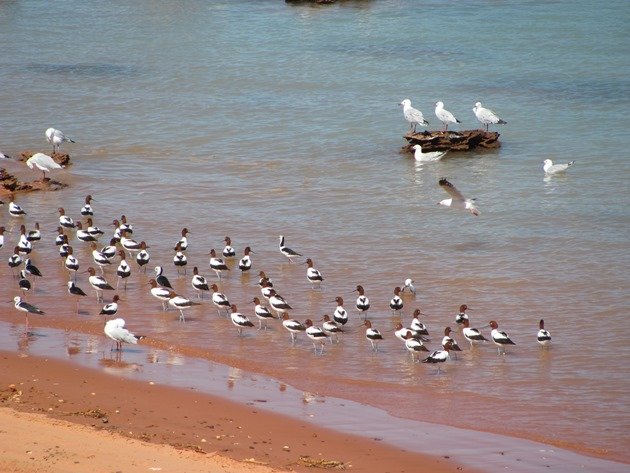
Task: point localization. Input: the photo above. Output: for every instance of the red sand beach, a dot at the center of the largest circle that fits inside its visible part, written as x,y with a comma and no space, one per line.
57,417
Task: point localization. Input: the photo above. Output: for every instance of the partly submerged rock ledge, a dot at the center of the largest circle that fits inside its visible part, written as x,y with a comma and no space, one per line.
466,140
10,184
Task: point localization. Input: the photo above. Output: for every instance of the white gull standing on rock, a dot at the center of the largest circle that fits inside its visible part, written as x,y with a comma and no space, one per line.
444,116
486,116
412,115
56,137
43,162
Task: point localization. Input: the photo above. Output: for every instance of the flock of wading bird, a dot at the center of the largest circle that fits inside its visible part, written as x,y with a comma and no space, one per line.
121,244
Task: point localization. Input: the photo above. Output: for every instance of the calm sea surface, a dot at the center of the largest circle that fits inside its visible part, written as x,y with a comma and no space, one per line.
255,118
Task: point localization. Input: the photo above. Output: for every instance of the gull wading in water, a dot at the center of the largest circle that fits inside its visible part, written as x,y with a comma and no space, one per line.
409,287
412,115
551,168
430,157
56,137
486,116
116,330
43,162
457,200
444,116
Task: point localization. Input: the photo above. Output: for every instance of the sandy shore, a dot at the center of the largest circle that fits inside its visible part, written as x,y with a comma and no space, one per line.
57,417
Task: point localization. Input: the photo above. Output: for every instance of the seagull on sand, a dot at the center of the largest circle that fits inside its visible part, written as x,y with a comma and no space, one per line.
444,116
486,116
430,157
457,200
43,162
551,168
412,115
115,329
56,137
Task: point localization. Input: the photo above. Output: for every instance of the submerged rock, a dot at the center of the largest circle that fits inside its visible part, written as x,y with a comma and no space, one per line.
318,2
466,140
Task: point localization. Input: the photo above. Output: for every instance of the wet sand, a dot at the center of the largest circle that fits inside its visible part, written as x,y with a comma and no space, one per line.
113,424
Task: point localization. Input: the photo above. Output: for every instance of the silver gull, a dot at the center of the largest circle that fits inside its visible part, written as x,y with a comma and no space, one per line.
430,157
56,137
457,200
551,168
412,115
43,162
486,116
444,116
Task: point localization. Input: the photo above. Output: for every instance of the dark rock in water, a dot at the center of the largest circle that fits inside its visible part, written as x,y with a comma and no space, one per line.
318,2
452,140
10,184
60,158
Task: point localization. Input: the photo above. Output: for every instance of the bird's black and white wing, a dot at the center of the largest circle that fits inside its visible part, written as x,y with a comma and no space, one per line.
451,190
